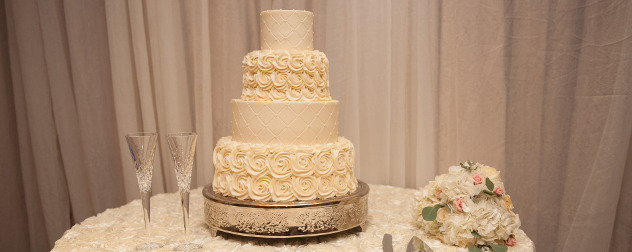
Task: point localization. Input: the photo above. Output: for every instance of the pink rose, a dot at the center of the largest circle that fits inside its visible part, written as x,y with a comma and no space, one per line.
498,191
439,194
459,203
477,179
510,242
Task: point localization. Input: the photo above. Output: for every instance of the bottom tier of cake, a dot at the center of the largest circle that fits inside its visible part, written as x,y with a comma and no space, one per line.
283,172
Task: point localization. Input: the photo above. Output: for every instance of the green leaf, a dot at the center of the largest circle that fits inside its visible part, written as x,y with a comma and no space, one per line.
475,234
488,192
489,184
430,213
474,248
498,247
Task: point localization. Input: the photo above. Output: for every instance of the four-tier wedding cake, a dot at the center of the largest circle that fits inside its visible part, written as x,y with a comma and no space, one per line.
284,144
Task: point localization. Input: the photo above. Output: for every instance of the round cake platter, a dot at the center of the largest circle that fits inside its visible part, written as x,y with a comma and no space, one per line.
286,219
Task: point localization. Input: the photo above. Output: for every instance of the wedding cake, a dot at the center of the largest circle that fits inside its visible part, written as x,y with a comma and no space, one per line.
284,144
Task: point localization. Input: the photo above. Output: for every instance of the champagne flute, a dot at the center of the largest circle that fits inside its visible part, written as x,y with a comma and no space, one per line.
182,146
142,146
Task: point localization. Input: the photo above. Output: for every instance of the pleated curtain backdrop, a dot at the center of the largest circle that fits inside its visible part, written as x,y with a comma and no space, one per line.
539,89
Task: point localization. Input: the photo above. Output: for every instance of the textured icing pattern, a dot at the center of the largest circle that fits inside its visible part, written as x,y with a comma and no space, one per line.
283,172
283,75
287,29
296,123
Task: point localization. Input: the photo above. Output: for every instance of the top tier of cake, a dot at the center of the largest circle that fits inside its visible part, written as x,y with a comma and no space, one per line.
287,29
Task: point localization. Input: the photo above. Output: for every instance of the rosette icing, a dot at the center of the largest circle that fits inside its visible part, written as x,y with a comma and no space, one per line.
280,164
259,189
257,161
303,162
283,172
304,188
325,163
239,185
282,190
283,75
326,187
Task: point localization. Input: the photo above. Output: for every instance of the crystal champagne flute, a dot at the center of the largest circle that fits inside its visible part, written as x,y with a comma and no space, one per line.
182,146
142,146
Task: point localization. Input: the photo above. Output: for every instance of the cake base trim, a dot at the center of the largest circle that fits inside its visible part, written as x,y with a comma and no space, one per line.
285,219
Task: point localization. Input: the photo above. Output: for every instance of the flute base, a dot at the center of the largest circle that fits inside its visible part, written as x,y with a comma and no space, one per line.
188,247
148,246
286,219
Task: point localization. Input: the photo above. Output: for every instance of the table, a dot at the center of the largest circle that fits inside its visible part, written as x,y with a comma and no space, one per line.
120,229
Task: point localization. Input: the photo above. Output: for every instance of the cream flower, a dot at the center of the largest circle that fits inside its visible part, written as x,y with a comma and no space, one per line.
304,188
279,81
508,203
303,162
266,62
220,182
281,62
295,82
278,95
490,172
282,190
280,165
324,163
260,188
326,187
238,160
296,62
340,184
239,186
257,161
264,80
310,63
221,159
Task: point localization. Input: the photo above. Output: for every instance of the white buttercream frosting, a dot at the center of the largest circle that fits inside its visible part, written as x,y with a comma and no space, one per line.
283,75
283,172
291,123
287,29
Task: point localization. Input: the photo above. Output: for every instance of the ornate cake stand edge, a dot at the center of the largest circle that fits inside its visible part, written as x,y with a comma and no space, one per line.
286,219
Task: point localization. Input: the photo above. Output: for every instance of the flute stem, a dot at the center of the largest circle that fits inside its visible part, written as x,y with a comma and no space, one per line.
184,197
146,212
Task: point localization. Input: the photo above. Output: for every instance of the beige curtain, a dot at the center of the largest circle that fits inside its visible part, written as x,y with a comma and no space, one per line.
540,89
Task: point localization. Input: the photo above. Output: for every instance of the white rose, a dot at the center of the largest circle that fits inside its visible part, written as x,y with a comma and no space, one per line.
260,188
303,162
324,162
257,161
326,187
239,186
282,190
280,164
304,188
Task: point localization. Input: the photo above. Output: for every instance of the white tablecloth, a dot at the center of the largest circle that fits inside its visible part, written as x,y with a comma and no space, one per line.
120,229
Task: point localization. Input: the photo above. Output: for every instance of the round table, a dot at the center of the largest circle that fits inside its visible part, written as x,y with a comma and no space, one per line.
120,229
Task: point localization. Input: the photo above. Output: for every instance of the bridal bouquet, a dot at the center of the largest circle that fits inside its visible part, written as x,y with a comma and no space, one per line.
468,207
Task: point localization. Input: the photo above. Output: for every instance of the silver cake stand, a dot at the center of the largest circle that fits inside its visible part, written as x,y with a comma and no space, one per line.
286,219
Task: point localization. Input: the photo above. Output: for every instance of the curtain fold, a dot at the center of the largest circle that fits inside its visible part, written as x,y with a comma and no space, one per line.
540,89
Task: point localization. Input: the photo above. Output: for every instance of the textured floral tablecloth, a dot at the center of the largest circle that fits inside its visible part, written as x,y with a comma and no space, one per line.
120,229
